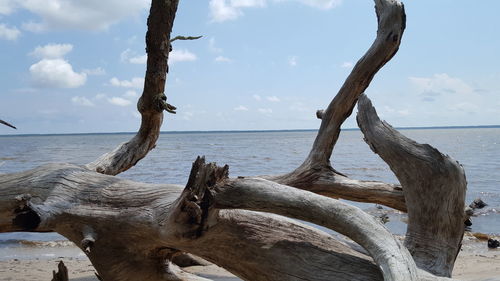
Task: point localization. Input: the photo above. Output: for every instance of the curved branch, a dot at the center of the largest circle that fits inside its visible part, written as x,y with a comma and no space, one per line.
262,195
316,174
434,187
152,102
327,182
391,24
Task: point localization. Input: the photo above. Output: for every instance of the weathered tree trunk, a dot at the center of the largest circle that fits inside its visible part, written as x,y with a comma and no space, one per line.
132,231
434,186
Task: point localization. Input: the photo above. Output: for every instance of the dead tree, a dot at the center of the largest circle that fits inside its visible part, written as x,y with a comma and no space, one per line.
132,231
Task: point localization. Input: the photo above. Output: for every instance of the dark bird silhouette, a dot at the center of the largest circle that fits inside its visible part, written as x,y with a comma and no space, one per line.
7,124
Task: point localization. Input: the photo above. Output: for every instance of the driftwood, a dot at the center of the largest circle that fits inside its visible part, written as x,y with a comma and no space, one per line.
61,274
133,231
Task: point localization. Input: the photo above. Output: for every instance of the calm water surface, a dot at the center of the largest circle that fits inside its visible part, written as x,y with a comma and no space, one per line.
261,153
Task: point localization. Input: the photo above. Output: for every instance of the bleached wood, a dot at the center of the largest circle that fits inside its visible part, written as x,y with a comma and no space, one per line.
133,238
434,186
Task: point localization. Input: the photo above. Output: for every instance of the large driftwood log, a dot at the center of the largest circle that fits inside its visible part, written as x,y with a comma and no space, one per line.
134,228
132,231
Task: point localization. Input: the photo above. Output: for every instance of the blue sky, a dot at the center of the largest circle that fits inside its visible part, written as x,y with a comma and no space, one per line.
71,66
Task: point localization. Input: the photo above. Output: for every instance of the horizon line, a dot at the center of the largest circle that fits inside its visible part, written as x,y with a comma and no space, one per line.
252,131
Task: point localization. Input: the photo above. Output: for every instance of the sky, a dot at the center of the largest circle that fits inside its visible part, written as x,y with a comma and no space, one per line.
71,66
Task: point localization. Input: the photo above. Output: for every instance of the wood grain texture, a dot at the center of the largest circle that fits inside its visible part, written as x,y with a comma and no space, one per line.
434,187
152,101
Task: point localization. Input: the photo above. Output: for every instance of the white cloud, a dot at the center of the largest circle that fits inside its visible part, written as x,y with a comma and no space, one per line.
6,7
257,97
139,59
95,71
225,10
130,94
221,10
347,64
442,82
181,55
131,57
52,51
292,61
265,110
9,33
136,82
320,4
222,59
80,15
100,96
56,73
83,101
400,112
273,98
119,101
240,108
439,85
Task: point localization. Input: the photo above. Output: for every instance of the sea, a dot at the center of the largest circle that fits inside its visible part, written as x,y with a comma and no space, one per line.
253,153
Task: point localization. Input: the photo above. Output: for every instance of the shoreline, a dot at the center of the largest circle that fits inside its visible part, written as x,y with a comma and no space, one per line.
474,262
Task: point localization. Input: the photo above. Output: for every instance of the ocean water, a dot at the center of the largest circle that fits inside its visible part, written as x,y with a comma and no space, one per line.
262,153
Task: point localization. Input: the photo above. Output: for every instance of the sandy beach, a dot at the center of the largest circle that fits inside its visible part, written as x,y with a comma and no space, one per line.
475,262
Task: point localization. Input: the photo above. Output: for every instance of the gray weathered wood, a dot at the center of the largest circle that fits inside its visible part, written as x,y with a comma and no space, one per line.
152,101
133,237
132,231
434,186
316,173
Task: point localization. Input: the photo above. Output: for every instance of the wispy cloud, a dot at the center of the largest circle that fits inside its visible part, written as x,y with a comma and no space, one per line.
83,101
136,82
273,99
240,108
257,97
9,33
119,101
52,51
265,110
95,71
222,59
178,55
347,64
292,61
85,15
226,10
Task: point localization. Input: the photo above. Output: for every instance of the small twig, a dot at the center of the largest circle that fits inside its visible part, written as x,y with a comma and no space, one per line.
185,38
7,124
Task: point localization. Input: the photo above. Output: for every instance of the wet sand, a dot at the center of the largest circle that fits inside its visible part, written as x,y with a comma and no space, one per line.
475,262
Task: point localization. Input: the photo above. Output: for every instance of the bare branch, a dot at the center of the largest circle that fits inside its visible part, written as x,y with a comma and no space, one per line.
391,24
153,100
261,195
7,124
185,38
